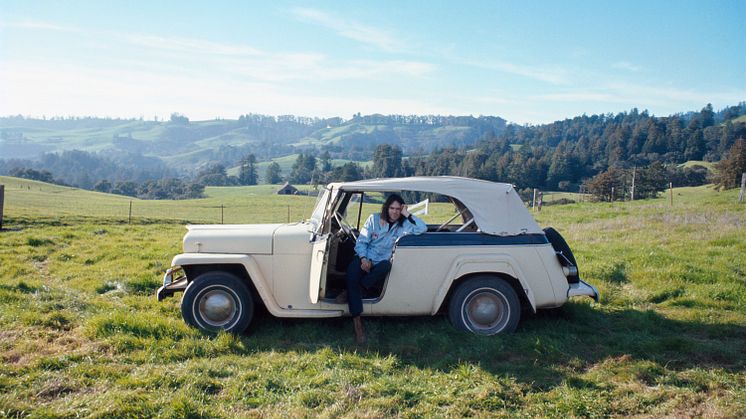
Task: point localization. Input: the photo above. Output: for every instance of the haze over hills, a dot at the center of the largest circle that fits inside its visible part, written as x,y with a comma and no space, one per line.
182,141
132,154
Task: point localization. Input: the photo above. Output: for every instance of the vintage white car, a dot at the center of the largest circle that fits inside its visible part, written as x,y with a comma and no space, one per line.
482,266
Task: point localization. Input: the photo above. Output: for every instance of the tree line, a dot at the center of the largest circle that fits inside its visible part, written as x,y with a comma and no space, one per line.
593,153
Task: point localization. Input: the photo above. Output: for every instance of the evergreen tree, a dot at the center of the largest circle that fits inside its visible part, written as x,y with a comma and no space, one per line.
387,161
274,173
102,186
247,173
350,172
213,175
326,162
559,169
695,146
607,186
707,116
732,167
650,180
303,169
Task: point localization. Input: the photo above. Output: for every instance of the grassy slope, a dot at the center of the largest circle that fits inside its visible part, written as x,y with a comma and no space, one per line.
83,334
709,165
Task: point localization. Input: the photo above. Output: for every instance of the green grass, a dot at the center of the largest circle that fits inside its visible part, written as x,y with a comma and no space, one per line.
706,164
82,334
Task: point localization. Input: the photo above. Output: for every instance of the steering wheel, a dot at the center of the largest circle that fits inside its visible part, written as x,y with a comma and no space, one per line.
346,228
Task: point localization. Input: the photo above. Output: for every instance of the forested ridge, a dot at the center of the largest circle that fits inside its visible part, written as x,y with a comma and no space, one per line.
564,155
575,149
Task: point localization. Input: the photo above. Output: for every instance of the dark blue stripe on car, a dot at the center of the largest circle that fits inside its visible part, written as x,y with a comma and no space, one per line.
469,239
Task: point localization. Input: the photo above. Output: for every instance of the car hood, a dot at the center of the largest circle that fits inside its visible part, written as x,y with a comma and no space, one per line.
230,238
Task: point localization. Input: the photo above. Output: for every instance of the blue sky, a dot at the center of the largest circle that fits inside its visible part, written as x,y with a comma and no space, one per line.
528,62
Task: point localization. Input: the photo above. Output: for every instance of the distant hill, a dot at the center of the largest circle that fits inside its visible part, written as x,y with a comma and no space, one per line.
187,143
560,155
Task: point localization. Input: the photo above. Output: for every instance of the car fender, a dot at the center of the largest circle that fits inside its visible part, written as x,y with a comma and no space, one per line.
491,263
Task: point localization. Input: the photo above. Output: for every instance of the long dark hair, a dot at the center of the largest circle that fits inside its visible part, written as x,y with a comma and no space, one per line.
385,207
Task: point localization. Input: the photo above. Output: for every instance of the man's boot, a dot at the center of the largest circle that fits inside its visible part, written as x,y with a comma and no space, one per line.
357,323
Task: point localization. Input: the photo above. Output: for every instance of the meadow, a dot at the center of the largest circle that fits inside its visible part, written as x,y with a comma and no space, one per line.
81,333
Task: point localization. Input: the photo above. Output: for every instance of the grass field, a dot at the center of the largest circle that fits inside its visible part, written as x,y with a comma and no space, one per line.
82,335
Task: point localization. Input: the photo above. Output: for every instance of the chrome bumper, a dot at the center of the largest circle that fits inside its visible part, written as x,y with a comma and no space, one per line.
583,288
174,281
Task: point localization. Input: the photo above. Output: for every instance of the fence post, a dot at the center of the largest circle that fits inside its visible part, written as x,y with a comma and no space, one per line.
288,213
129,219
221,214
670,188
740,196
2,201
533,202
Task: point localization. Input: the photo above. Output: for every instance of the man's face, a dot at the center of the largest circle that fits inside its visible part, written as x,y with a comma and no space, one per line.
394,211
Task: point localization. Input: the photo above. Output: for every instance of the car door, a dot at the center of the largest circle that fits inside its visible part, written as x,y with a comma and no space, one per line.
320,252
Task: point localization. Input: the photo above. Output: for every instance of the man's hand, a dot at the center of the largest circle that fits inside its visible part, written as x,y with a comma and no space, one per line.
366,264
404,211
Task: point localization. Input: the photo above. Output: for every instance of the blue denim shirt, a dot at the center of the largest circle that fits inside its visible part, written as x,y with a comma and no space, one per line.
376,243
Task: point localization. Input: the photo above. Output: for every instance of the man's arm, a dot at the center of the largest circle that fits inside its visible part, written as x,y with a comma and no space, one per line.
412,225
415,225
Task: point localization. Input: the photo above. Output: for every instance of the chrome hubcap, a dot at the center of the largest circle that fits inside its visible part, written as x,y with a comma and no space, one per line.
217,308
486,310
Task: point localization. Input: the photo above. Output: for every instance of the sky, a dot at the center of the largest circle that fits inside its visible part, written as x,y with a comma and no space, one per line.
529,62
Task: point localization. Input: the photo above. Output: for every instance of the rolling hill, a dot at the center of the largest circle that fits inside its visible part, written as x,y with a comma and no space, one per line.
180,141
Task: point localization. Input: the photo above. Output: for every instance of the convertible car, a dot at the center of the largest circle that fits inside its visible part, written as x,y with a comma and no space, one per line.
482,264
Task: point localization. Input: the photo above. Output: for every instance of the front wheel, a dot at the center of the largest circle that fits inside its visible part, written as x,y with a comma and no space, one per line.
485,306
218,301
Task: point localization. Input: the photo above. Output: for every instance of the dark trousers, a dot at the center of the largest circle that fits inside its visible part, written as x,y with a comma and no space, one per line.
359,281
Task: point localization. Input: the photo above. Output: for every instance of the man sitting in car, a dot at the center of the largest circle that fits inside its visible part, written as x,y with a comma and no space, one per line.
371,265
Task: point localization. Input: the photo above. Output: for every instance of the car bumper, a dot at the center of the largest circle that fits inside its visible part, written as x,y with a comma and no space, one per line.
581,289
174,281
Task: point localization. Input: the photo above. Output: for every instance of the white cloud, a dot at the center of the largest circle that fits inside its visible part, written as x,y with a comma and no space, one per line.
246,62
35,24
580,96
33,89
625,65
356,31
552,75
197,46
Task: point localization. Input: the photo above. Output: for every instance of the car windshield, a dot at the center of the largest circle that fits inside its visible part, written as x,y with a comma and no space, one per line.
318,211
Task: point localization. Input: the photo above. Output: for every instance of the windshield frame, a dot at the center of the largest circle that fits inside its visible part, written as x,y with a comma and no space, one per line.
318,216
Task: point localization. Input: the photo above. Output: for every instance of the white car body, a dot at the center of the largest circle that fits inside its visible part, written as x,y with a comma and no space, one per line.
294,269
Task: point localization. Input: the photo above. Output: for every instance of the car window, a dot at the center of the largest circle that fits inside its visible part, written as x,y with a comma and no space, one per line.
354,213
435,209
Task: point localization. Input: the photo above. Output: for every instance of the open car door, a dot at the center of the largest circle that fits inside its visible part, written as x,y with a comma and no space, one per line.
319,259
320,252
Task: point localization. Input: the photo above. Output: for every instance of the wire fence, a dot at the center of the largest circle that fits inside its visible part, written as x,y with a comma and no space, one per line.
51,201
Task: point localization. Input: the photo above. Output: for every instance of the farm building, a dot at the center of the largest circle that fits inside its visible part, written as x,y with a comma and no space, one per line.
287,189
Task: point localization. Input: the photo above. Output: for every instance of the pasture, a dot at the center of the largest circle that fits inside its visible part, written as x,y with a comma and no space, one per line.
81,333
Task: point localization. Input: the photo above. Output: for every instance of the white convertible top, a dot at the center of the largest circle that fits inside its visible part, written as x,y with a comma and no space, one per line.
496,207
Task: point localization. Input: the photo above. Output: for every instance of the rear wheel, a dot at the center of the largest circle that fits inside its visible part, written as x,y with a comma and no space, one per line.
485,305
218,301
